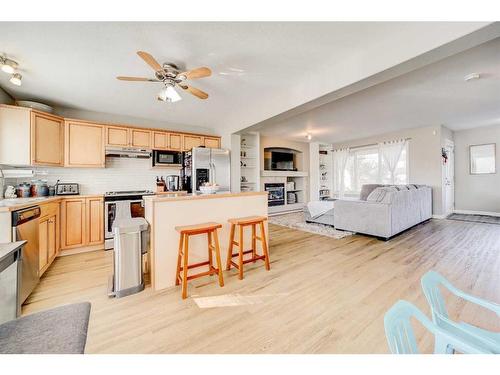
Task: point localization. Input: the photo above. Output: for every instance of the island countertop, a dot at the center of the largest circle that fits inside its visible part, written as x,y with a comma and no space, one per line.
164,213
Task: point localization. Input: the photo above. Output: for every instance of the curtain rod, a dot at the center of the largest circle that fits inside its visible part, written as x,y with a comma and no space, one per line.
369,144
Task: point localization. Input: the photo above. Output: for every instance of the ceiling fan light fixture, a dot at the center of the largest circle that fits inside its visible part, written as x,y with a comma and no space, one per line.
16,79
8,66
168,94
309,136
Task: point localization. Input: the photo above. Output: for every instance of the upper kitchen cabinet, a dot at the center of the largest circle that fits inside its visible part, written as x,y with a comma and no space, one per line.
190,141
117,136
140,138
211,142
175,142
84,144
160,140
120,136
29,137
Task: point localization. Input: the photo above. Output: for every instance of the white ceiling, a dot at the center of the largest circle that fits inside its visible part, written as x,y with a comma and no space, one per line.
433,95
270,67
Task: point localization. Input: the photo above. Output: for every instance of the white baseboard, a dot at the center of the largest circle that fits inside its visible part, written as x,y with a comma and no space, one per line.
469,212
439,216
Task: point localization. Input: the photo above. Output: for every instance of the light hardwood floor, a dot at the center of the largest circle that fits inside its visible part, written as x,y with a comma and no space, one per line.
321,296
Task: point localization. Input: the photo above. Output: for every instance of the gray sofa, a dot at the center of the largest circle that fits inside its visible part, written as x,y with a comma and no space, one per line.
384,211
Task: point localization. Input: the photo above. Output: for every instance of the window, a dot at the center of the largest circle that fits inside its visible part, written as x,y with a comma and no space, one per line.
482,159
367,165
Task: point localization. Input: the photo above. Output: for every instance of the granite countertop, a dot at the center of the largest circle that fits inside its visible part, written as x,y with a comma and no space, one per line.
7,248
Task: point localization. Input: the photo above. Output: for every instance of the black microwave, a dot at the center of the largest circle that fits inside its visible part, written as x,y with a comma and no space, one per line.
166,158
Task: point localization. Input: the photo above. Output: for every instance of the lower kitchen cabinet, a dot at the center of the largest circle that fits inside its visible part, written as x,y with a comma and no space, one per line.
82,222
48,236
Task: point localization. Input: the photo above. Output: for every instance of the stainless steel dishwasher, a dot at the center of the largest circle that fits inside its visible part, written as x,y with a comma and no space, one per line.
25,227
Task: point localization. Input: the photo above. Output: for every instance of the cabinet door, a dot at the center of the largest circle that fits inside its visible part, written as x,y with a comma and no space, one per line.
73,223
43,242
47,139
212,142
51,240
95,221
160,140
84,145
15,135
191,141
140,138
175,141
117,136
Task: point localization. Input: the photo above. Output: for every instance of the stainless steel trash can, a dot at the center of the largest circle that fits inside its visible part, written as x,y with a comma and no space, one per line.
131,239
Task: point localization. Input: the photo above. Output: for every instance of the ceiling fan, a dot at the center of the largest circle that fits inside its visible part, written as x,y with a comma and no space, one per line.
171,76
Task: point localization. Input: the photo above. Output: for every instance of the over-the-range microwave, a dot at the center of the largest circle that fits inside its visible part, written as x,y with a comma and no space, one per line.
167,158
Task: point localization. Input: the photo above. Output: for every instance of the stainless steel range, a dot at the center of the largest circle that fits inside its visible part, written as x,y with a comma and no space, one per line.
121,204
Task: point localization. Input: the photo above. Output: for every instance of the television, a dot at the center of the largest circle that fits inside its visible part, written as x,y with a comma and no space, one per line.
279,160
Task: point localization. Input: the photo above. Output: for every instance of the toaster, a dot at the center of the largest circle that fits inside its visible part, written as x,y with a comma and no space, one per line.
67,189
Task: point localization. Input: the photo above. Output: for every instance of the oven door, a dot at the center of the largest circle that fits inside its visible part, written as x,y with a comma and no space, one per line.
119,209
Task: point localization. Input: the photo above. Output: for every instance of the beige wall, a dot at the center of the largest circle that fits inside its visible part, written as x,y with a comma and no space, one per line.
5,98
476,192
127,120
302,157
424,156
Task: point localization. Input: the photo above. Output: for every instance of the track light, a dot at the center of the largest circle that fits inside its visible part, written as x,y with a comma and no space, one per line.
8,66
168,94
16,79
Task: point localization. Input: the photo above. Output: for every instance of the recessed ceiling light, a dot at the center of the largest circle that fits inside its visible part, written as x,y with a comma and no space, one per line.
16,79
309,136
471,77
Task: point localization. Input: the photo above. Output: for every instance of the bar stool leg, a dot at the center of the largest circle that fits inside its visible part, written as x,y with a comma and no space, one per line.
254,243
217,259
185,268
210,259
179,259
230,248
264,245
240,255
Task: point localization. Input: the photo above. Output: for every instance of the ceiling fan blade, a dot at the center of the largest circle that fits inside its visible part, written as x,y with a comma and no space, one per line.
197,73
196,92
150,60
121,78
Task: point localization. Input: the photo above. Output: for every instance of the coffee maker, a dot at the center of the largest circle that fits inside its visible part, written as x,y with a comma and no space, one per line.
172,183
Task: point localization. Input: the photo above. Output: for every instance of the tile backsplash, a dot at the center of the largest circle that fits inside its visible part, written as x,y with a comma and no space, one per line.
119,174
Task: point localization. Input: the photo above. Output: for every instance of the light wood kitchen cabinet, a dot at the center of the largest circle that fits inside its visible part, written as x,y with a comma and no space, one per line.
117,136
72,223
82,222
190,141
48,237
94,221
175,142
84,144
29,137
211,142
160,140
47,139
140,138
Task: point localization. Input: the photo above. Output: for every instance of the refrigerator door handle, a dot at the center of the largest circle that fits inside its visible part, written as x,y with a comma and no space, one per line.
214,181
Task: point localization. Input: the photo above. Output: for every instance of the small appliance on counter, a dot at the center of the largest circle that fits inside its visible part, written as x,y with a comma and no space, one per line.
67,188
172,183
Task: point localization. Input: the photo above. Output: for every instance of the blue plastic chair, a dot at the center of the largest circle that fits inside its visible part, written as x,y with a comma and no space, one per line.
401,338
431,282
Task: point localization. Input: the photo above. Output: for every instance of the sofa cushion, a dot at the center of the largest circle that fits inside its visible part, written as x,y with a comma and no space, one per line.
62,330
382,194
366,190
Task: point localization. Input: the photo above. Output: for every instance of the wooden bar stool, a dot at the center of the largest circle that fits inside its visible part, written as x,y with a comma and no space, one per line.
183,256
243,222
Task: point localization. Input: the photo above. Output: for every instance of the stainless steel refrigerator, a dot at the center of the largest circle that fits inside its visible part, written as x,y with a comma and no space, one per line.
211,165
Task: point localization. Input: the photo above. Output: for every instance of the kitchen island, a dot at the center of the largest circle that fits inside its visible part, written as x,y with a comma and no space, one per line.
165,213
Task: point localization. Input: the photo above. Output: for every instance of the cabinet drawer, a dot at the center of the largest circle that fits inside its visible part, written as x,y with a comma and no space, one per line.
49,209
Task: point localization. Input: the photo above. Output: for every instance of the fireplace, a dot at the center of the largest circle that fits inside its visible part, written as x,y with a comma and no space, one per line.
276,195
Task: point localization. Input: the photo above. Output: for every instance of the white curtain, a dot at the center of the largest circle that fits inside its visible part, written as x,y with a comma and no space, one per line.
339,164
391,153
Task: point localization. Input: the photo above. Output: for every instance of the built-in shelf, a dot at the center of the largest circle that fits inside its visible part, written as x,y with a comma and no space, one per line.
265,173
249,154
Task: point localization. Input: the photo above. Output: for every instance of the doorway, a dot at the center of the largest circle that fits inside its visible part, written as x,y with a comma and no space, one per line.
448,174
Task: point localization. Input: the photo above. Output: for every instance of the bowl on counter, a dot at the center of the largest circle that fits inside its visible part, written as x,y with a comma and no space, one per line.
209,189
